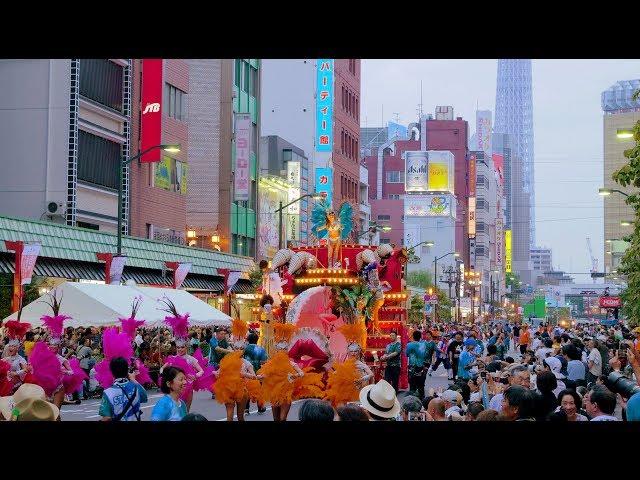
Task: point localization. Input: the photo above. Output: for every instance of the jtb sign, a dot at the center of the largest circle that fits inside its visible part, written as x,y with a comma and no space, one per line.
324,105
151,121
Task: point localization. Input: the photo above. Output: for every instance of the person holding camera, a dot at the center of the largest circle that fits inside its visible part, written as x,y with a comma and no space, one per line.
121,401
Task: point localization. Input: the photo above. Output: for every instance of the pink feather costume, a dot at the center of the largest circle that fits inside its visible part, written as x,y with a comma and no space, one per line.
115,344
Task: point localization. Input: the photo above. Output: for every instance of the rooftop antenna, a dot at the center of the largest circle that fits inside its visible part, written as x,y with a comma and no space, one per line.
420,104
382,116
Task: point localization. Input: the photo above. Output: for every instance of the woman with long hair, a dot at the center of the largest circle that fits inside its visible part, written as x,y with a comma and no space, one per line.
171,408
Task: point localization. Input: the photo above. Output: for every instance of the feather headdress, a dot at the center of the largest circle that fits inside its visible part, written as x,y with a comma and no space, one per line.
54,323
355,334
130,325
16,330
239,329
178,323
283,332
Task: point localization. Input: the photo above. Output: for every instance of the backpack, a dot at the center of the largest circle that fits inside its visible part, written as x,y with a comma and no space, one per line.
128,406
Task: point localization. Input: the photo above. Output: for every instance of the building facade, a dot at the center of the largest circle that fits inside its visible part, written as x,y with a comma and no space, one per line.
281,158
514,115
66,124
620,112
157,203
220,91
541,262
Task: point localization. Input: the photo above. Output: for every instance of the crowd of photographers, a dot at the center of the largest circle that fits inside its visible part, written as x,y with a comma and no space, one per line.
516,372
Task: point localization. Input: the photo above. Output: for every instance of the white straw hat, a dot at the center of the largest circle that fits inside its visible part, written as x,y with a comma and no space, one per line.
380,399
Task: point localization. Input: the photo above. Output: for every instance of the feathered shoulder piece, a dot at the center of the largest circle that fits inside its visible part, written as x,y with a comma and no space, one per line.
239,328
16,330
283,332
178,323
354,332
341,383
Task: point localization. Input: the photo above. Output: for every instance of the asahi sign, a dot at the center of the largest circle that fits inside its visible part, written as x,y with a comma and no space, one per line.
416,178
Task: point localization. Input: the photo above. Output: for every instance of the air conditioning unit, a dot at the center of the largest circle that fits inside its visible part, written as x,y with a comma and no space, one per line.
54,207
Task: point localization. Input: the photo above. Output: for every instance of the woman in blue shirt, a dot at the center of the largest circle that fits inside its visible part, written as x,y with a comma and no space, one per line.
171,407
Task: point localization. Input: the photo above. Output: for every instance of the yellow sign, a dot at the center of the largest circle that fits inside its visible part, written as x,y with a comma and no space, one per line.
183,180
507,251
439,177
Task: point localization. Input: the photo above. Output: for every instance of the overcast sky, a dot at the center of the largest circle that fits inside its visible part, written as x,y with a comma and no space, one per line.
567,132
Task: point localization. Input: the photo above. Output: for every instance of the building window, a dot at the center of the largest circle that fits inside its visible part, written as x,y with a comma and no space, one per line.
101,80
238,63
342,97
98,160
480,226
245,83
383,218
395,177
385,240
342,141
357,151
253,81
175,102
357,109
90,226
394,196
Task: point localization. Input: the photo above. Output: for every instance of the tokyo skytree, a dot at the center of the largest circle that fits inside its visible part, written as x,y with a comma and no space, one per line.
514,116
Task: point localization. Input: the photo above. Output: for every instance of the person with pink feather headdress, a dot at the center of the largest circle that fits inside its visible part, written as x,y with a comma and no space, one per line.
198,378
71,375
18,366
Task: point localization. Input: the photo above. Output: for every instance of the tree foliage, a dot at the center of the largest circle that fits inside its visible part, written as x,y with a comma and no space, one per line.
629,176
420,279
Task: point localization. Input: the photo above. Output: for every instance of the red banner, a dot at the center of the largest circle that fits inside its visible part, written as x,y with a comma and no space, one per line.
610,302
28,261
114,265
180,271
151,107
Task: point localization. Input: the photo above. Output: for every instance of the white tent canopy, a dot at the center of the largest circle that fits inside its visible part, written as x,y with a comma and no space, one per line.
96,305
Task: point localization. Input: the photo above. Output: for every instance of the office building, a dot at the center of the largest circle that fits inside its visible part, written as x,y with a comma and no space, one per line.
65,125
620,114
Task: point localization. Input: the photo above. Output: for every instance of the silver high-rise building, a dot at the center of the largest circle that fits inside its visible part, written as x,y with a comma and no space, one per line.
514,115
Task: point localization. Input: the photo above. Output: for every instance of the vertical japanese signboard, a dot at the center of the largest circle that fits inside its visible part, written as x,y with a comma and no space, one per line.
324,105
472,216
293,175
507,251
151,106
472,175
324,182
243,148
116,269
28,261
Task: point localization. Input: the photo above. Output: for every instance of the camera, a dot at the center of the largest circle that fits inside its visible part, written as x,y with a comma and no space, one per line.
618,383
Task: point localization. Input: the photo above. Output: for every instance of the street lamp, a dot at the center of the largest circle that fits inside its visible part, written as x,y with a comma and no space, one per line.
626,223
623,133
315,196
173,148
605,192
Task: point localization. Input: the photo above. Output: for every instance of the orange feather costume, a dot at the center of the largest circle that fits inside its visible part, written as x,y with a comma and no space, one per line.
342,383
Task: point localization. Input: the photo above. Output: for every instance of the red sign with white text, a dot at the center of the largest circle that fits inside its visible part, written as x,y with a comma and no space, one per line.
151,107
610,302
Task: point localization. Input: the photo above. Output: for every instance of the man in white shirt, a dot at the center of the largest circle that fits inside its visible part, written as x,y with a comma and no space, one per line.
544,351
452,401
600,403
138,340
537,342
594,361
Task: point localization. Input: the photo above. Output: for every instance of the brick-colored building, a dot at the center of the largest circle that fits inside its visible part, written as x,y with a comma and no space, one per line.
158,202
346,132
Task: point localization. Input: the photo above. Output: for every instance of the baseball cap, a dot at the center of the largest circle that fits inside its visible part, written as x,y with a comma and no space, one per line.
450,396
470,343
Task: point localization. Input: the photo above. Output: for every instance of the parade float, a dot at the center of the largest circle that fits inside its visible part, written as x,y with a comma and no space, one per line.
323,287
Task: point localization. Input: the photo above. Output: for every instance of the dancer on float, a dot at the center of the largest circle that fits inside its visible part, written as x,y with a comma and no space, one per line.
18,366
237,381
197,377
335,228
